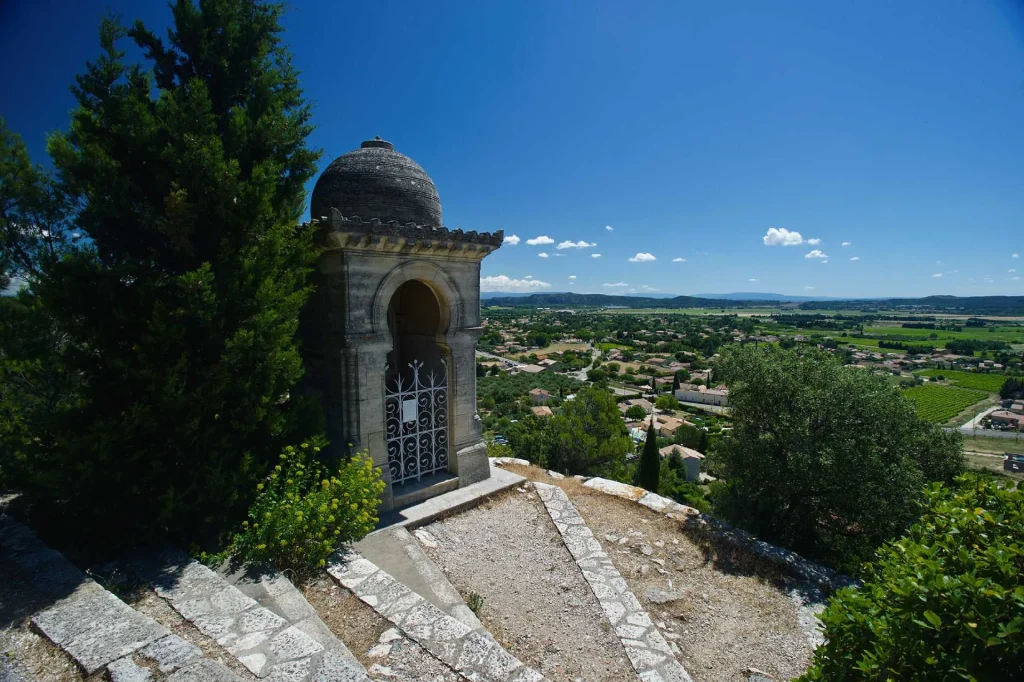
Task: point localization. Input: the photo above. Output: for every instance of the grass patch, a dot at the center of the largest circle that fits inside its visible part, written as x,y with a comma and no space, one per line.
939,404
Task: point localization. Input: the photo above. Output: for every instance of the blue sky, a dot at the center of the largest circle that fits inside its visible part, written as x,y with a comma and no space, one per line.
690,128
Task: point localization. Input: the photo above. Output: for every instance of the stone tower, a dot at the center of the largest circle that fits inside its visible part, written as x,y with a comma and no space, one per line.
390,334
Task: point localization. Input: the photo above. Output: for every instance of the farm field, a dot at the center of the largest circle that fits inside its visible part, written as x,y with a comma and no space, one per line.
562,347
976,380
607,346
939,404
996,446
1007,333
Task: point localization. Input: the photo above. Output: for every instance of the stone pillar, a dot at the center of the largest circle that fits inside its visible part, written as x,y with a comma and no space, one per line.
364,395
470,461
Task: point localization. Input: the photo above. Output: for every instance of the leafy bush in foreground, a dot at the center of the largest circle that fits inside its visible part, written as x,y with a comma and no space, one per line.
302,514
946,602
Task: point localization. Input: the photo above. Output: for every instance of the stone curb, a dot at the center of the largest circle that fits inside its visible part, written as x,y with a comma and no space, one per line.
94,627
267,644
472,653
693,519
647,650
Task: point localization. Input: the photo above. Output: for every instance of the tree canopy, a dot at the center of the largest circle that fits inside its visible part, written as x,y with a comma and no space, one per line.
825,459
184,174
945,602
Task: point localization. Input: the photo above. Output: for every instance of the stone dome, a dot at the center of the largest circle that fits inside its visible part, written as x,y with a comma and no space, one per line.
375,181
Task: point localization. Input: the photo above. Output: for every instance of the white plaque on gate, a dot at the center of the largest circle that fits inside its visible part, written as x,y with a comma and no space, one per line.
409,410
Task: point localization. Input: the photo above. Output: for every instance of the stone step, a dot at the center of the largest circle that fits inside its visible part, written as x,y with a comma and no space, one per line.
396,551
95,628
293,645
453,501
275,592
474,654
648,652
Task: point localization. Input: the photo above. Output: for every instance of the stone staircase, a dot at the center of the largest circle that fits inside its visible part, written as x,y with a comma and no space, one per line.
95,628
262,620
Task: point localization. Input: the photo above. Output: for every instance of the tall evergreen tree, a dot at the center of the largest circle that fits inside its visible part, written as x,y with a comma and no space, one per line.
649,473
186,174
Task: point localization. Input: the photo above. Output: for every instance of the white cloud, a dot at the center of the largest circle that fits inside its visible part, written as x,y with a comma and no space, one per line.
1012,270
504,283
511,240
855,258
609,228
816,253
824,261
570,244
1014,255
537,241
1014,278
558,255
645,287
847,243
780,236
753,279
528,277
642,258
937,274
808,288
572,276
542,255
814,242
678,260
595,255
616,284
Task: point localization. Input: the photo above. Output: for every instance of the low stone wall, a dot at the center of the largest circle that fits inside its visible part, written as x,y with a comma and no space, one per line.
719,530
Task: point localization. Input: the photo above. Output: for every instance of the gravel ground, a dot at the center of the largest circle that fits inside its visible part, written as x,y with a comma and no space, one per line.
385,653
24,655
725,613
146,601
536,602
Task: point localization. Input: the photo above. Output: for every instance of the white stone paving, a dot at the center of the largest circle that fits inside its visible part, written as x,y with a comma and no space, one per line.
647,650
474,654
269,645
94,627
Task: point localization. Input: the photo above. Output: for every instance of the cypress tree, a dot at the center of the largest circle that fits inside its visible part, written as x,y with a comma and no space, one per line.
187,174
649,472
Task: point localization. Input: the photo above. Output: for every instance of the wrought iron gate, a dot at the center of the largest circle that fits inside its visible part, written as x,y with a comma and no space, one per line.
416,423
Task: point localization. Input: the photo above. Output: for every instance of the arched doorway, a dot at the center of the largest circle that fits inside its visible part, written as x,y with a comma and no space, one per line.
416,385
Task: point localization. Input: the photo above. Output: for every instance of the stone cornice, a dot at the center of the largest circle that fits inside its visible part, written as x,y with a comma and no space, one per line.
355,233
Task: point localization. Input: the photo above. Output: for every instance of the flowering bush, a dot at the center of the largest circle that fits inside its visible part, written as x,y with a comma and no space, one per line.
302,514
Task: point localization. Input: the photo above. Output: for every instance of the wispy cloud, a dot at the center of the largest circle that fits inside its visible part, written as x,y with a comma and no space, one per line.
1014,255
808,288
504,283
572,276
816,253
855,258
616,284
937,274
537,241
511,240
814,241
595,255
542,255
847,243
753,279
609,228
570,244
642,258
780,236
678,260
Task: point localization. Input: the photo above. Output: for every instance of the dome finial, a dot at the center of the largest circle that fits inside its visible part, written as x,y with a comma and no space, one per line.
378,142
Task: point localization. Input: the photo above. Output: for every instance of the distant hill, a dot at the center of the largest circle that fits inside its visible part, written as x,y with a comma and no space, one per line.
750,296
961,305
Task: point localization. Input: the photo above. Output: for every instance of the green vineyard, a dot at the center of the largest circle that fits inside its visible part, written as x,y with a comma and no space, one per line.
981,382
941,403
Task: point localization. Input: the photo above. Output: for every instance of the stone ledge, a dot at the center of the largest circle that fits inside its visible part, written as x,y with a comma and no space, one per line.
648,652
692,519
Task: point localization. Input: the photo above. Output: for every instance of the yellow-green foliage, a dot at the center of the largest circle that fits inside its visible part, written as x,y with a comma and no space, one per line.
302,513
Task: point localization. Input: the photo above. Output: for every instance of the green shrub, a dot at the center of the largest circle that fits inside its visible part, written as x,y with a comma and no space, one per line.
302,514
945,602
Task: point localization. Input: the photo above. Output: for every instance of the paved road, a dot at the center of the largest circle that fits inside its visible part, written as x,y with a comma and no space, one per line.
492,356
582,374
973,424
